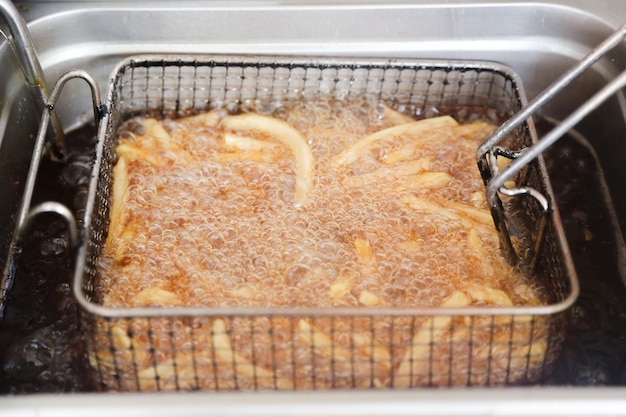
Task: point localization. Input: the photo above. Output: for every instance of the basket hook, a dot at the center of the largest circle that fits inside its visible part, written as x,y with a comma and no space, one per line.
495,179
32,70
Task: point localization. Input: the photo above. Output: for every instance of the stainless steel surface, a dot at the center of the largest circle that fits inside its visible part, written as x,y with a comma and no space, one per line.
538,40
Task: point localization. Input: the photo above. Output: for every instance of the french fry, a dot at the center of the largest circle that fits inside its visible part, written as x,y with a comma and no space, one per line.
371,349
325,347
426,181
369,299
155,296
340,286
283,132
477,131
130,152
208,119
364,251
118,220
386,174
412,365
489,295
229,357
453,210
394,116
322,342
413,129
246,143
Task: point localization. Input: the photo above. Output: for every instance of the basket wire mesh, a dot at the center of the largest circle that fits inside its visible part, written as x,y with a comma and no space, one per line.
193,348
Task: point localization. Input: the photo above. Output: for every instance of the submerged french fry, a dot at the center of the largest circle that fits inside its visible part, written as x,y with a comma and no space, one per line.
283,132
490,295
413,129
246,143
454,210
415,360
157,297
228,357
364,251
394,116
118,218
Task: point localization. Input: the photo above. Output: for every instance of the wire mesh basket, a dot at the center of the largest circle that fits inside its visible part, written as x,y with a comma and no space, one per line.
304,348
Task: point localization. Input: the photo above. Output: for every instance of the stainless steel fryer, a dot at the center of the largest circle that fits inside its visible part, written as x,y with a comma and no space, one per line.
121,343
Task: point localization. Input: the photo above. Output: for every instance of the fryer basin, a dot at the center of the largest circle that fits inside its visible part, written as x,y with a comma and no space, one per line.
549,37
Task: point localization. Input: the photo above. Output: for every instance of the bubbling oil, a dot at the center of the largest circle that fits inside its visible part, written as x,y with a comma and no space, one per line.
218,233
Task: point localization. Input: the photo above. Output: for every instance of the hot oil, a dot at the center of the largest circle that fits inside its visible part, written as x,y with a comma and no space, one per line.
40,347
221,233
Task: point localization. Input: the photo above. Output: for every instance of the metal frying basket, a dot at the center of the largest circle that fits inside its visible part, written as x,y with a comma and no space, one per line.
191,348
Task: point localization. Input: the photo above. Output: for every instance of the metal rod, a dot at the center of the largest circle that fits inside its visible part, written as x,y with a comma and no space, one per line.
31,67
534,105
43,127
549,139
50,207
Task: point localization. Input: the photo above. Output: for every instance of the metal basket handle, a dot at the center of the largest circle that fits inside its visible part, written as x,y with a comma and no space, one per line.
25,214
32,70
485,156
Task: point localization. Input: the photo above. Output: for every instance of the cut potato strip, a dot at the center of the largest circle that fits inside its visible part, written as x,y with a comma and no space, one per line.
246,143
415,129
132,153
119,199
388,174
340,286
322,342
364,251
227,356
490,295
324,346
155,296
477,131
370,348
394,116
368,298
283,132
208,119
453,210
416,358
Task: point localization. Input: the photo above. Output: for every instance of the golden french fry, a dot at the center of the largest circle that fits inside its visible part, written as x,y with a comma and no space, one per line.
453,210
283,132
489,295
155,296
477,131
371,349
208,119
119,199
387,174
120,338
242,367
130,153
367,298
413,129
246,143
364,251
340,286
253,155
415,359
394,116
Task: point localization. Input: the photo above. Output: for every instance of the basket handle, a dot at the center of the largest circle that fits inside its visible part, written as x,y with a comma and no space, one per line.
25,214
32,70
485,156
